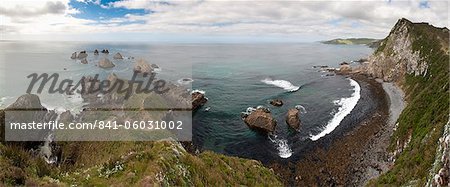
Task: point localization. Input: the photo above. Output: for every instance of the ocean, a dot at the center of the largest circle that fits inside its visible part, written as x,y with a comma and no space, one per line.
234,77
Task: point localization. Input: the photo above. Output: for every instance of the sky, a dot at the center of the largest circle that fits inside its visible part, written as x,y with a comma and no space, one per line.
210,21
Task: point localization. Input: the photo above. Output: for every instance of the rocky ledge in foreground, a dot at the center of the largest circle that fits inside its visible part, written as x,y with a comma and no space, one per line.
261,119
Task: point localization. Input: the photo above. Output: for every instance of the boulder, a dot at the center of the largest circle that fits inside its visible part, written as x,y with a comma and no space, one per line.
82,55
74,56
84,61
261,120
118,56
345,68
141,66
292,118
276,102
105,63
105,51
96,52
198,100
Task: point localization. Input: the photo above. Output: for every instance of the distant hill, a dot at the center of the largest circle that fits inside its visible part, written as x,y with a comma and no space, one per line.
373,43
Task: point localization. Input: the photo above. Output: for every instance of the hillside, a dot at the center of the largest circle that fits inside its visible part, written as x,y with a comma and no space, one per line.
139,163
415,56
373,43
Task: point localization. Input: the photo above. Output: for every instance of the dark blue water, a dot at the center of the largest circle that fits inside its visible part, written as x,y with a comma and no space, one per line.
230,74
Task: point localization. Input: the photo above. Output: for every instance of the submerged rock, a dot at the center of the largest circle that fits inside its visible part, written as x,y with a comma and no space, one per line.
198,100
154,66
118,56
74,56
105,63
141,66
276,102
292,118
261,120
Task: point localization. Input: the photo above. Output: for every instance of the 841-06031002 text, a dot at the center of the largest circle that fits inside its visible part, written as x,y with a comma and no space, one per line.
101,124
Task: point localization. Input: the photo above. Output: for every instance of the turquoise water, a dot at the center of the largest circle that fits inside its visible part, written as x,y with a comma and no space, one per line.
234,77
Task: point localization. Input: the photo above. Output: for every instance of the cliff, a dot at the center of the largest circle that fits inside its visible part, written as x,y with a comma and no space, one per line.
415,56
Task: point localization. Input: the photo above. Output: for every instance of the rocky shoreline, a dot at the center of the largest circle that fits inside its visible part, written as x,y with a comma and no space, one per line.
350,157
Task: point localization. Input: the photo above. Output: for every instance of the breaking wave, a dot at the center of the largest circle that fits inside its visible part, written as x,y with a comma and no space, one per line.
286,85
346,105
284,151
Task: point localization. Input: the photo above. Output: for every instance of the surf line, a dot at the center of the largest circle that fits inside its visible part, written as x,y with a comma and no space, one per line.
346,105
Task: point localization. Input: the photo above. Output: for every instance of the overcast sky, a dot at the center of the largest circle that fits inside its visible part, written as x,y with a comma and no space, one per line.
210,21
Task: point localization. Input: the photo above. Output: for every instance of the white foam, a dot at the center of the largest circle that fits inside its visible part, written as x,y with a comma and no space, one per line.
346,106
185,82
301,109
284,151
286,85
198,91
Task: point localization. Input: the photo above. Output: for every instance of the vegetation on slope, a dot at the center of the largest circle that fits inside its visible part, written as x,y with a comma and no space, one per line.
354,41
130,163
421,123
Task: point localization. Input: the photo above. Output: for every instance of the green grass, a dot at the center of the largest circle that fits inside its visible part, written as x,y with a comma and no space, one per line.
131,163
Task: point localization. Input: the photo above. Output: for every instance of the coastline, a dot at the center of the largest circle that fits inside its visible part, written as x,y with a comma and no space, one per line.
356,152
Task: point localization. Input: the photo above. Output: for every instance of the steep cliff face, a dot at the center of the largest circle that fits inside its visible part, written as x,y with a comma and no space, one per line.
398,54
415,56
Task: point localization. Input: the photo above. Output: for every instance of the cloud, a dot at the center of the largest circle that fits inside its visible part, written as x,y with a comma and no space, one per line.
322,19
49,7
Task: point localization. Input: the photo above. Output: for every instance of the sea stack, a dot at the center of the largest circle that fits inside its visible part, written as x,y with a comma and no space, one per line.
82,55
261,119
292,118
118,56
74,56
141,66
105,63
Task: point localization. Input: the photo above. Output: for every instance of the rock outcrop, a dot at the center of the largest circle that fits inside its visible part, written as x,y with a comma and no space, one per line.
276,102
74,56
105,63
84,61
95,52
198,100
345,69
154,66
261,119
292,118
118,56
82,55
142,66
399,54
105,51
